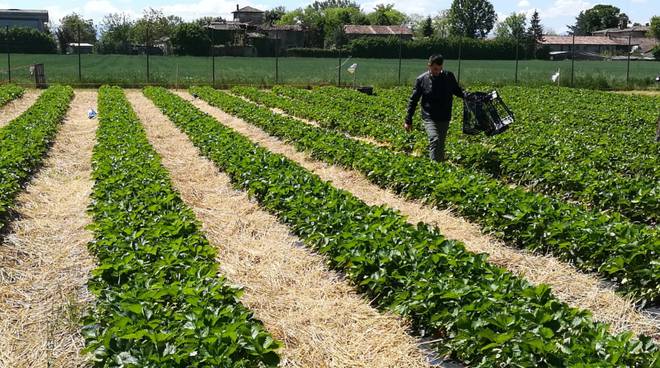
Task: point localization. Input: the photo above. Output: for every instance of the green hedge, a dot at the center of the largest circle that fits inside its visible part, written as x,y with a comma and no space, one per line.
28,41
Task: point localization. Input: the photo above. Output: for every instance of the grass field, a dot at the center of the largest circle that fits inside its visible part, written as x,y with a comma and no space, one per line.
131,70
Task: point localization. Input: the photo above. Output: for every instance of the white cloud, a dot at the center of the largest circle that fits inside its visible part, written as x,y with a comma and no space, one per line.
565,8
523,4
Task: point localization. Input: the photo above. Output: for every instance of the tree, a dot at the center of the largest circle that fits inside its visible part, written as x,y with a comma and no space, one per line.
472,18
67,32
511,28
328,4
442,24
154,25
274,15
654,27
594,19
534,34
624,20
191,39
115,34
386,15
427,27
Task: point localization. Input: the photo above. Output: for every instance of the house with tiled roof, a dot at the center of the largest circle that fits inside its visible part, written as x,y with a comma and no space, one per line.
359,31
590,44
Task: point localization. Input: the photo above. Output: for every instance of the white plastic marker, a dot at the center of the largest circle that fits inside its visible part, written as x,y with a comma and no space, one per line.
555,77
351,69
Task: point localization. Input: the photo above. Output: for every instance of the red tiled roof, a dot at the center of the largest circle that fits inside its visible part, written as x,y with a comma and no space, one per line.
581,40
377,30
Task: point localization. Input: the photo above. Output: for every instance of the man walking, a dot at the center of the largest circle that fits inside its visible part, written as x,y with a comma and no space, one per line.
436,88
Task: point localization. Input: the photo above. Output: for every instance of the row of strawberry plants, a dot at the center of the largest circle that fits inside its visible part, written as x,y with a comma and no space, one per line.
484,315
622,252
589,120
638,198
600,131
159,301
9,92
25,141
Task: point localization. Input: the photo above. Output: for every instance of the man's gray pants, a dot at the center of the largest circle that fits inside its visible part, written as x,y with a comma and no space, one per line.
437,132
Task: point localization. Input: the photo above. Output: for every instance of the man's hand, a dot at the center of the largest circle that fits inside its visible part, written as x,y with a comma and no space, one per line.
407,126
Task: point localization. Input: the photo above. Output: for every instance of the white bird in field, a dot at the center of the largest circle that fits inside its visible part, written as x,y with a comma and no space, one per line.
351,69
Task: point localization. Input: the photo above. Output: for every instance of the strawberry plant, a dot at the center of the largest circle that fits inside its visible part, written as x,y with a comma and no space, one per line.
622,252
9,92
484,315
159,301
25,141
591,165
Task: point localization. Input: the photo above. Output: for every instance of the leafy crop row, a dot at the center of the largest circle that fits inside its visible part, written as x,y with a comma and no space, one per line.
585,159
159,301
10,92
623,252
25,141
485,316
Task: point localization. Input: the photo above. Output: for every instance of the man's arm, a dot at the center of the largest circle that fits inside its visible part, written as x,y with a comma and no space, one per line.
413,101
456,89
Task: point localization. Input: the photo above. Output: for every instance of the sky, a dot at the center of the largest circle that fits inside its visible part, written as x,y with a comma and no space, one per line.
555,14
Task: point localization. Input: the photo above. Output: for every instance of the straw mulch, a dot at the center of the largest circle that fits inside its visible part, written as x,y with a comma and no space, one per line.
318,316
16,107
571,286
44,263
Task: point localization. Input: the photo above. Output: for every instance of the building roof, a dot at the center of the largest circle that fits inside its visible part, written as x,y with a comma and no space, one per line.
82,44
21,13
582,40
377,30
619,30
286,27
248,9
227,26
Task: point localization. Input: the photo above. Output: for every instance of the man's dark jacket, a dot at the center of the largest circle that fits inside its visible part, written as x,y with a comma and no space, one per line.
436,94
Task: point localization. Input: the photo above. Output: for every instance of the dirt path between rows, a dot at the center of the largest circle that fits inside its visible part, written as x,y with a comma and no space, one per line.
319,317
18,106
44,262
569,285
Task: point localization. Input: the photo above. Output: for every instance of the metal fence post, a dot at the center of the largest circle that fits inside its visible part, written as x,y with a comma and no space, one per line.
277,56
628,67
339,69
517,42
460,52
400,54
79,62
8,54
213,57
147,51
573,61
